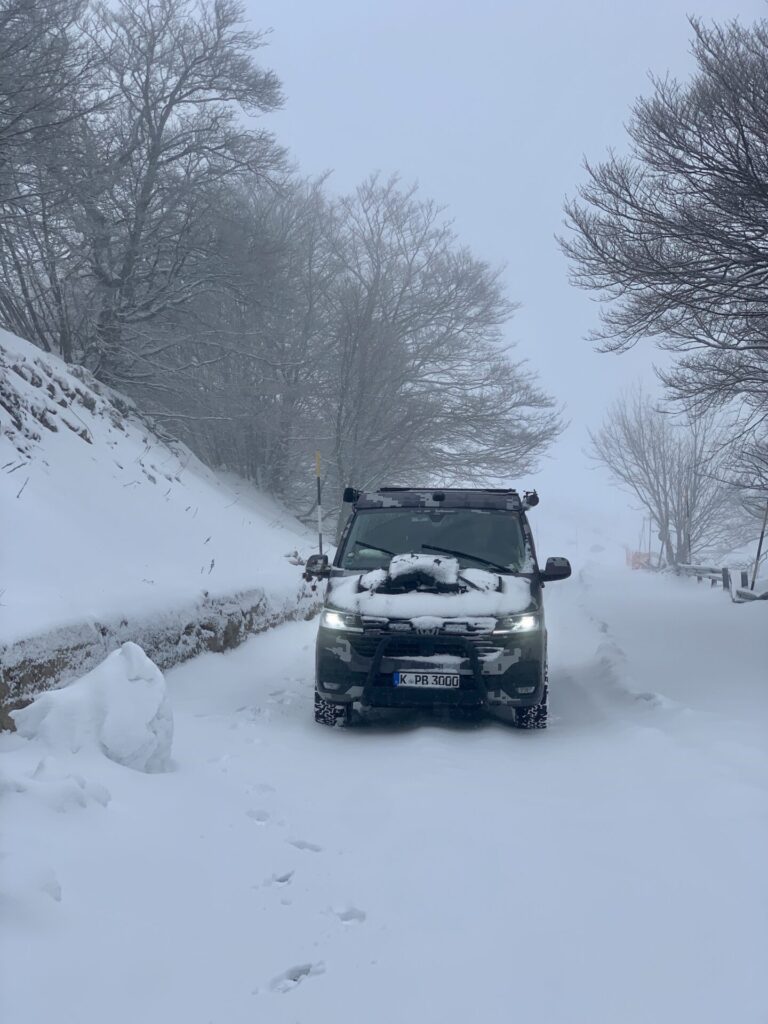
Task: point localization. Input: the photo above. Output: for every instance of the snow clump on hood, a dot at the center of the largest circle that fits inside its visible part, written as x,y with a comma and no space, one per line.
442,568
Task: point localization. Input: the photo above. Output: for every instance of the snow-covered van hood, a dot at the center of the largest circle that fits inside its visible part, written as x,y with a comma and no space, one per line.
468,593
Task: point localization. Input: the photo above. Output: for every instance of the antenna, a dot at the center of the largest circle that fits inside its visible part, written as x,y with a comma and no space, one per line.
319,504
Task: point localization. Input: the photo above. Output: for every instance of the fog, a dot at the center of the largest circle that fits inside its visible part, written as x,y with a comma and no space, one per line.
491,107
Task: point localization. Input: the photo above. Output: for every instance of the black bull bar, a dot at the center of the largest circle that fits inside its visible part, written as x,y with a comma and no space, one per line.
480,692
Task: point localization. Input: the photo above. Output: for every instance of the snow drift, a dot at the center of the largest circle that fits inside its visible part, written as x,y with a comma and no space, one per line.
120,709
104,520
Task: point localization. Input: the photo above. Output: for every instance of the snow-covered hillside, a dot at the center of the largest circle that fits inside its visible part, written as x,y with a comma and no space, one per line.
191,846
102,520
607,871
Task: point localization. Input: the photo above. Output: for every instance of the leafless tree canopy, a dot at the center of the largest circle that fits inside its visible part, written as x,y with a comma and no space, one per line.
676,470
674,235
150,233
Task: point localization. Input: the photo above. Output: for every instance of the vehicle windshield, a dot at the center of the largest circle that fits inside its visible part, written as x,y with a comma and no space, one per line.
478,538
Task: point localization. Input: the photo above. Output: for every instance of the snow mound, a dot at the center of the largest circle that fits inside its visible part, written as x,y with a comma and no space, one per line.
120,709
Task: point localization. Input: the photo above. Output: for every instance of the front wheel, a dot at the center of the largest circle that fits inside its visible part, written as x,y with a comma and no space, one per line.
327,712
534,717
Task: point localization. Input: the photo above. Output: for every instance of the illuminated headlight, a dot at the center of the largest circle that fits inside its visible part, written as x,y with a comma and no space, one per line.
346,621
516,624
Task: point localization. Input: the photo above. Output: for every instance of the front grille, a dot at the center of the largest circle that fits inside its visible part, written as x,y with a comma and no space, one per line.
364,644
423,647
404,646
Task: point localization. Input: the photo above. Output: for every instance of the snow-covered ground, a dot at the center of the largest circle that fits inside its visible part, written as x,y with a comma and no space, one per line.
101,519
610,870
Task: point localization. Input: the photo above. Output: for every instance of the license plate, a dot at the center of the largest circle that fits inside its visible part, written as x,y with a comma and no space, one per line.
434,680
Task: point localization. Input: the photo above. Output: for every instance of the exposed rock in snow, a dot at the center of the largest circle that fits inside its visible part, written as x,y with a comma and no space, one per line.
120,708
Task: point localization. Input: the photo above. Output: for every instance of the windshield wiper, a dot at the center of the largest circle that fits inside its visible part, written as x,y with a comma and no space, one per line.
373,547
466,554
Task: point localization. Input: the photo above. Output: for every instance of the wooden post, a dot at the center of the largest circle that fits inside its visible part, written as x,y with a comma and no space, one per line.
726,580
759,547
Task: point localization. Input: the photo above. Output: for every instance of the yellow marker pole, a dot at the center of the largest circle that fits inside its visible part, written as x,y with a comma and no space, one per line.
319,504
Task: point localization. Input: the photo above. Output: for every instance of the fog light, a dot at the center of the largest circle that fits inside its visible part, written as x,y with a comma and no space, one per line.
333,687
525,689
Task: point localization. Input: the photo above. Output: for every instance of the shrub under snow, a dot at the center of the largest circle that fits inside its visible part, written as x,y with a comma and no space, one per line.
121,709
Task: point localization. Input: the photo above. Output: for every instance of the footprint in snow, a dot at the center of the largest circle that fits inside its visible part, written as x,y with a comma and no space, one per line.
262,817
281,880
302,844
284,879
351,915
295,975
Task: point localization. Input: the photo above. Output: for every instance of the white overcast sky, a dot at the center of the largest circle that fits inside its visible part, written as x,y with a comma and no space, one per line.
490,106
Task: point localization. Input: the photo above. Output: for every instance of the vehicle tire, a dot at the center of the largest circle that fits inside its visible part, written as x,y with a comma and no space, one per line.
534,717
327,712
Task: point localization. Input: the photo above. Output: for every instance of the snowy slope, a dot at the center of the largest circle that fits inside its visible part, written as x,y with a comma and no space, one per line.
608,870
102,519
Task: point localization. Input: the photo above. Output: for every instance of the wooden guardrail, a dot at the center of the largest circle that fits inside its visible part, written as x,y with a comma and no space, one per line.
726,578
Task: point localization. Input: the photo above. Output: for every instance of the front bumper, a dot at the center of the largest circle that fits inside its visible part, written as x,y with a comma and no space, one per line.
495,671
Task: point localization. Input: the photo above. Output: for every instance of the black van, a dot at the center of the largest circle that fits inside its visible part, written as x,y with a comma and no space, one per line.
434,599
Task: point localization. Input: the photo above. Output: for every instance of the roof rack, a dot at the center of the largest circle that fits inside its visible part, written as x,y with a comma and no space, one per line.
472,490
436,497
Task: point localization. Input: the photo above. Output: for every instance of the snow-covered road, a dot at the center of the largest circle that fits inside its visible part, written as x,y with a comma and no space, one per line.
611,869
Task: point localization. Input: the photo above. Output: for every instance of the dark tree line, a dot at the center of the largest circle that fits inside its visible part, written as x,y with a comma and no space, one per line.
153,232
674,237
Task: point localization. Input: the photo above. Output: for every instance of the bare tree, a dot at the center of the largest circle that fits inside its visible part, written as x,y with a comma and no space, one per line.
164,244
43,67
673,235
143,173
675,469
359,326
418,376
178,72
47,72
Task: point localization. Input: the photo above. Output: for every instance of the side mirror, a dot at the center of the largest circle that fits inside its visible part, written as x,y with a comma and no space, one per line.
555,569
317,567
350,495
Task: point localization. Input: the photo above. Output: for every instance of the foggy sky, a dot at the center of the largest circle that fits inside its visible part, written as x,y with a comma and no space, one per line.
490,106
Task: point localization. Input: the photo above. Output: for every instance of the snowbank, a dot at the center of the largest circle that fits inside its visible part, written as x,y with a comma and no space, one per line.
105,520
120,709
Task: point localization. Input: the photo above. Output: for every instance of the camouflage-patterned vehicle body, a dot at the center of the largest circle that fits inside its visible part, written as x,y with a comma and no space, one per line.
434,599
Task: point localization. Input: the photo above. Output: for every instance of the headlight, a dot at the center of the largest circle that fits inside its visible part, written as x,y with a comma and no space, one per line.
346,621
516,624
